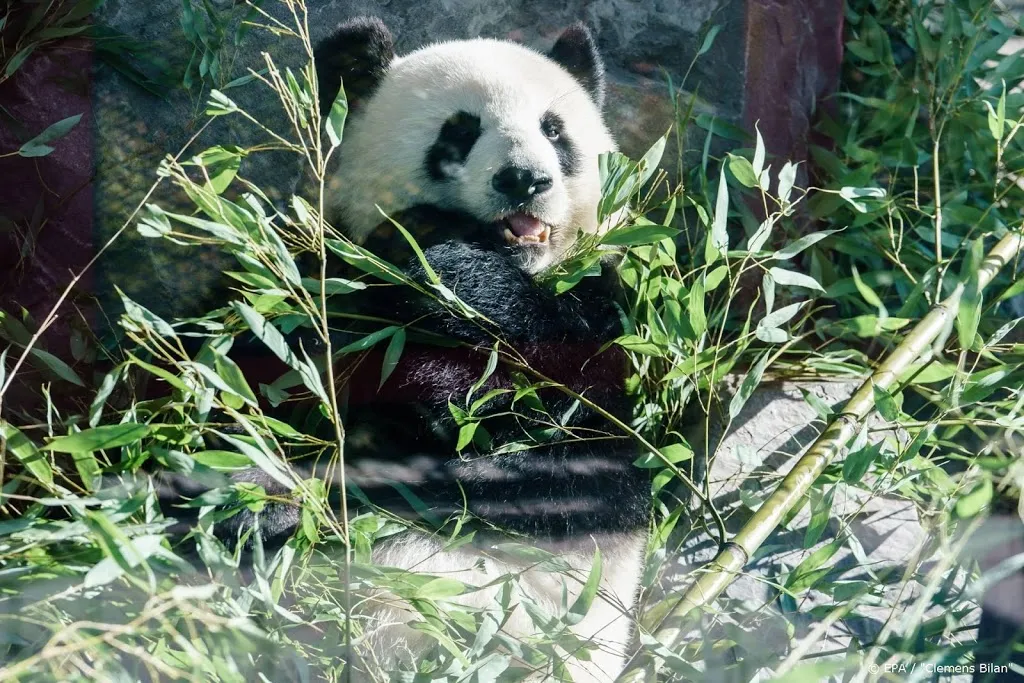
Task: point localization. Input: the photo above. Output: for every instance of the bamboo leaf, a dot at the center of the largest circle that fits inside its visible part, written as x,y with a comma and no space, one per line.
857,463
261,456
781,316
581,606
997,116
718,240
868,293
709,39
809,571
787,178
103,393
791,250
969,311
222,460
333,285
823,409
369,340
274,340
311,377
821,511
994,128
632,342
220,104
794,279
284,260
221,165
166,376
308,524
714,278
976,500
852,194
57,366
17,60
673,453
743,171
131,553
25,451
466,433
750,382
144,319
392,355
768,287
887,406
440,588
37,147
635,235
771,335
669,658
649,162
759,153
154,223
100,438
698,319
265,332
88,469
761,235
492,365
233,377
335,123
427,268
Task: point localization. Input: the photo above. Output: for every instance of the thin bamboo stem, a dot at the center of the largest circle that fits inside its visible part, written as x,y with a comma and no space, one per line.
732,556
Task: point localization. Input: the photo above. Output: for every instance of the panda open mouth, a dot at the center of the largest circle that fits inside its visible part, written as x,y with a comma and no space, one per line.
522,228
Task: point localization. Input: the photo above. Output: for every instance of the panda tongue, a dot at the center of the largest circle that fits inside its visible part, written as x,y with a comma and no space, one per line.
524,225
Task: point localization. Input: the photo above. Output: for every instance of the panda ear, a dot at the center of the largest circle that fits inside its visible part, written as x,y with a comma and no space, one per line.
576,51
358,54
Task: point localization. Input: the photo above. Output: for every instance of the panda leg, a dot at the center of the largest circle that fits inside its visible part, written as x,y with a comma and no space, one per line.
609,623
391,643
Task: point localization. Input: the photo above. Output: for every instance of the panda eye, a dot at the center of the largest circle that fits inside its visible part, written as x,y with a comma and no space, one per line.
463,126
551,130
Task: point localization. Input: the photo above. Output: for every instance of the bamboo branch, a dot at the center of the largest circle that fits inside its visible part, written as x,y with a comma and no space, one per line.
716,576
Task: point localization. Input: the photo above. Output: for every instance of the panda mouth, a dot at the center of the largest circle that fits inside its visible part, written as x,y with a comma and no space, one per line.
522,228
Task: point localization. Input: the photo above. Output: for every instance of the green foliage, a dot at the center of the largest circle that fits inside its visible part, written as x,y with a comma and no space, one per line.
923,177
929,121
37,147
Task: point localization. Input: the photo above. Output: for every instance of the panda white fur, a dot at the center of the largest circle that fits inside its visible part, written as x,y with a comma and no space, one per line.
494,147
486,127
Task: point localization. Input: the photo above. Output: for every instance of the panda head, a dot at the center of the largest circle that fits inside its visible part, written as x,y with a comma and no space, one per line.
485,127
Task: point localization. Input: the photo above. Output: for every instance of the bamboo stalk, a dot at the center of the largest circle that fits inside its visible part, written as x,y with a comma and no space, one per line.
732,556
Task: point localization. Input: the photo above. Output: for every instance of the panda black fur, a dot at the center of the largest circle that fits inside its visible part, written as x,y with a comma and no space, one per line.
487,151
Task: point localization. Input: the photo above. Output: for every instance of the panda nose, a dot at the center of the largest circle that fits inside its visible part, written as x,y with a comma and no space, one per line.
519,184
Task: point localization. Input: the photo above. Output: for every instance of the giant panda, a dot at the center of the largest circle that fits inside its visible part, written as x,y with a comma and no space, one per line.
488,152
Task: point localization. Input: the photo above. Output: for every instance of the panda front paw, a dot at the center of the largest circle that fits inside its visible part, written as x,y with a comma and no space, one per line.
457,261
493,284
277,520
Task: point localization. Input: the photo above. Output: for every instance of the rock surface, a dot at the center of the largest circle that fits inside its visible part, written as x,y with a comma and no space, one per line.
882,558
645,46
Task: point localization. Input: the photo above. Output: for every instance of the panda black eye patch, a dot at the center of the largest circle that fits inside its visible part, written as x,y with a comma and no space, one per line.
454,142
553,128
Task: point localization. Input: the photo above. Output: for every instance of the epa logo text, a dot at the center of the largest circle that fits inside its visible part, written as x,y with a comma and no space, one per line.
949,669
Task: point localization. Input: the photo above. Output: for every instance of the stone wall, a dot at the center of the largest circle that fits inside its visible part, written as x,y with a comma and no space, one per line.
646,46
769,62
